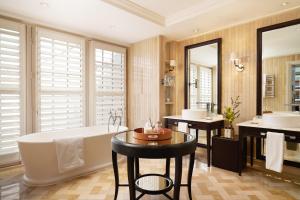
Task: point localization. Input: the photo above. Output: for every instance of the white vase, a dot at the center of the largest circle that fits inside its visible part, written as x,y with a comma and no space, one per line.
227,132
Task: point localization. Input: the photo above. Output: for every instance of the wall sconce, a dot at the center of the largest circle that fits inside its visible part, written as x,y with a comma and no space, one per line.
172,65
237,62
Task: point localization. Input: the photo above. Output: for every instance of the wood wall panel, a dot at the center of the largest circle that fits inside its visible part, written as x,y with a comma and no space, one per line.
279,67
144,89
241,40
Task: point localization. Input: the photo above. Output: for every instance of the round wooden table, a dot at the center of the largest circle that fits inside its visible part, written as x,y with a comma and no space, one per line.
179,145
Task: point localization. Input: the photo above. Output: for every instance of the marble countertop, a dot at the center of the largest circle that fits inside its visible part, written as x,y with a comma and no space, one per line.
206,120
250,123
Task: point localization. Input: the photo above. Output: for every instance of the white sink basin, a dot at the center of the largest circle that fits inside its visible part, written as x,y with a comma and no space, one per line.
193,114
282,120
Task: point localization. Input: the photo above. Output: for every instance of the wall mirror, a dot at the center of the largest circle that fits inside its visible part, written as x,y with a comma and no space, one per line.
203,76
278,80
279,68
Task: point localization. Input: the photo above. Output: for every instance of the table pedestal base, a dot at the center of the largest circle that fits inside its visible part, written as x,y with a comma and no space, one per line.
133,175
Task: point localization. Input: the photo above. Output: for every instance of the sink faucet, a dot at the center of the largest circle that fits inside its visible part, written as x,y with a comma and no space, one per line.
114,118
210,106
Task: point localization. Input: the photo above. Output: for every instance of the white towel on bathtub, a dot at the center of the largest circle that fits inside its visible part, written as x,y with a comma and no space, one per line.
69,153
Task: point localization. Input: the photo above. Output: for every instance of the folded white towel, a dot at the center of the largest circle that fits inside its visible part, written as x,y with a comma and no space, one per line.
274,151
183,127
69,153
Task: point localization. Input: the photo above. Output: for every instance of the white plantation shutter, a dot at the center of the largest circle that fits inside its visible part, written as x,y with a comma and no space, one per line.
203,93
205,85
12,88
61,94
108,78
193,89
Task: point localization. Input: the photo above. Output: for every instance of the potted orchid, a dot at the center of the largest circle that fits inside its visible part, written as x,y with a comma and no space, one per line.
230,114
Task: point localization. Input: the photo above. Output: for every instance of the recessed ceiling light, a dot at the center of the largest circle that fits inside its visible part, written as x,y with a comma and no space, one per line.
196,30
44,4
284,3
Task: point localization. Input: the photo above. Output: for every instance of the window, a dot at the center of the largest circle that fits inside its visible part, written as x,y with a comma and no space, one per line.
205,85
200,86
193,86
60,81
12,88
107,76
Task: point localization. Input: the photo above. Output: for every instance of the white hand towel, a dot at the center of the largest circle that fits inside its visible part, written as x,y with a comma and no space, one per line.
183,127
69,153
274,151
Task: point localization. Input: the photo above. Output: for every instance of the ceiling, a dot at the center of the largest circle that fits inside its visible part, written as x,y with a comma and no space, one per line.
167,7
129,21
281,42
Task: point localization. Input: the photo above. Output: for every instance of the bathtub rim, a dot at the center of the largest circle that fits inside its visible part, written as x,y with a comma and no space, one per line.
29,138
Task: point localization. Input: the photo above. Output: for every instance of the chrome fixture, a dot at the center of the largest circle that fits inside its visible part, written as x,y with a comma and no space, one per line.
210,106
114,117
172,65
195,83
237,62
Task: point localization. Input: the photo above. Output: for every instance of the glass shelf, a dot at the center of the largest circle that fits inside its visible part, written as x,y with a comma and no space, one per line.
153,184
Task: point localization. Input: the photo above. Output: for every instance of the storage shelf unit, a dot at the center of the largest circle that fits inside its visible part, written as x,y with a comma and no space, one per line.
169,82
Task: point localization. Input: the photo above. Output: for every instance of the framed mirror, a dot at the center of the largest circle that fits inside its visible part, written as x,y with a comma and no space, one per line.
278,68
278,81
203,76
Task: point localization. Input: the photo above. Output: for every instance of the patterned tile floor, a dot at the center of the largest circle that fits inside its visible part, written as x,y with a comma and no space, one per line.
208,184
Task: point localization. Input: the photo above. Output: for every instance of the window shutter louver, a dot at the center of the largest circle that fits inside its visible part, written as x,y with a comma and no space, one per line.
60,81
203,93
109,67
12,67
193,89
205,85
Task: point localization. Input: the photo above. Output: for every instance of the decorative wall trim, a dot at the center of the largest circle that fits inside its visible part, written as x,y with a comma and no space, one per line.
138,10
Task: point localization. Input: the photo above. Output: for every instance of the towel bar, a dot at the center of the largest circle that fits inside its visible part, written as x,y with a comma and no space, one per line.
291,137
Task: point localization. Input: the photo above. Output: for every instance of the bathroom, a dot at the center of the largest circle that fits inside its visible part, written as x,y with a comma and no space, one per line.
72,83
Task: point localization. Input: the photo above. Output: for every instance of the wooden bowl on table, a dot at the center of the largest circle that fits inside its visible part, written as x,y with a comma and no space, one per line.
153,135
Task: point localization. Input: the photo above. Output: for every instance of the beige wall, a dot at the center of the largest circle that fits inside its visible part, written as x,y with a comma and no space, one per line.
241,40
145,68
279,67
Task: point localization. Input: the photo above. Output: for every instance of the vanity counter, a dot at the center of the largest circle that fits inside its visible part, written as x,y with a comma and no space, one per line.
259,130
252,124
204,120
216,123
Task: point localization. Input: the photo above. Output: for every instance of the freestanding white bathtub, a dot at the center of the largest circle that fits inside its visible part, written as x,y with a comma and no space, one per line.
38,154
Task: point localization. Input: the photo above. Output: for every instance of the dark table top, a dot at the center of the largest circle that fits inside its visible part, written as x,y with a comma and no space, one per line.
180,144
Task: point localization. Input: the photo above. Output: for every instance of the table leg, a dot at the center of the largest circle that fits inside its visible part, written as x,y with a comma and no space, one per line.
137,167
245,149
178,173
116,173
130,173
190,173
219,132
208,138
197,135
240,153
168,167
259,144
251,149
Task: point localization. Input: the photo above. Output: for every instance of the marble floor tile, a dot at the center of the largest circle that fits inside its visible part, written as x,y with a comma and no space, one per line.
208,184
